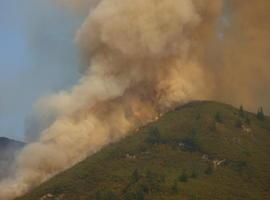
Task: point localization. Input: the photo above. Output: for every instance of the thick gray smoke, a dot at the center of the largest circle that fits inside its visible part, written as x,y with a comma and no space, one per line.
144,57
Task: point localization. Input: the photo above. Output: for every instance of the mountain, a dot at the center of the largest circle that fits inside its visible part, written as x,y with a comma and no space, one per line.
199,151
8,151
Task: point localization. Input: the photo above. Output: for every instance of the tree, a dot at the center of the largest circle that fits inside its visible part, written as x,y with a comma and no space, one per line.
192,142
194,174
110,195
135,176
241,111
247,120
260,114
183,177
154,136
218,117
139,194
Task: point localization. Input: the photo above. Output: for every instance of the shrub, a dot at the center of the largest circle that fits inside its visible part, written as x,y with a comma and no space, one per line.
154,136
260,114
135,176
247,121
218,118
139,195
241,111
110,195
239,166
191,142
183,177
194,174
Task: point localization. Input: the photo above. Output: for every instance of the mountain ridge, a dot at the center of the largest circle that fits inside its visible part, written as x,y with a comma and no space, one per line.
8,151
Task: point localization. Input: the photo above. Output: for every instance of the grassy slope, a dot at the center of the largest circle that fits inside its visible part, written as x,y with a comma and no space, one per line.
108,174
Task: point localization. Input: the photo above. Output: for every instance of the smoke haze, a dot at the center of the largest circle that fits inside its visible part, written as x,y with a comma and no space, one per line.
144,58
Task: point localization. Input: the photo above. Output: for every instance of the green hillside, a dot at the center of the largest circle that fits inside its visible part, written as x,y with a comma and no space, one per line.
200,151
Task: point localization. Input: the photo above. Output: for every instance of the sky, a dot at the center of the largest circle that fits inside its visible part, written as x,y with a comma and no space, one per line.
38,56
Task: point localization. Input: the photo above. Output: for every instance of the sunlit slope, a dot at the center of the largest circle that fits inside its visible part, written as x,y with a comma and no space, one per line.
202,151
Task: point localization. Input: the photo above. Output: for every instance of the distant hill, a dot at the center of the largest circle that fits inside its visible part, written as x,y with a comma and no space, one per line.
200,151
8,151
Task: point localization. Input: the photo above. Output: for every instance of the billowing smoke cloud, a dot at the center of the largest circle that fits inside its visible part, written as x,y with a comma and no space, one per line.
238,60
144,57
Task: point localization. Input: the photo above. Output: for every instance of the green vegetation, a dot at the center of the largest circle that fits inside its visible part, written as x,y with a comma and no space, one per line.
241,111
260,114
183,177
202,151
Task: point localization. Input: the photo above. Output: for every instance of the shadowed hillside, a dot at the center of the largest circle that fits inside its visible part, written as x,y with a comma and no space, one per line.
8,150
200,151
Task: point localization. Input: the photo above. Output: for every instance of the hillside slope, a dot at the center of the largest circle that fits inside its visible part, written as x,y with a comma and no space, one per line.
202,151
8,150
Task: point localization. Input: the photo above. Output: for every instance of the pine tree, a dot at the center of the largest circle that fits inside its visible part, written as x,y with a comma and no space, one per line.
140,194
218,117
241,111
183,177
135,176
260,114
154,136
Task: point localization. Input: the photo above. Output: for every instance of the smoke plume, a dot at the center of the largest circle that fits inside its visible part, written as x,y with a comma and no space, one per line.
144,57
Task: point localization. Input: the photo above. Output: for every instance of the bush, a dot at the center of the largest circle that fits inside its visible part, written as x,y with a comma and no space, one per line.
218,118
260,114
191,142
183,177
241,111
111,195
135,176
239,166
154,136
194,174
139,195
247,121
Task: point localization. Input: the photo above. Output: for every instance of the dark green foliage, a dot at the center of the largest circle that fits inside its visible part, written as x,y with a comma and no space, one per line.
135,176
154,136
260,114
183,177
239,166
140,194
218,117
110,195
247,121
209,170
241,111
194,174
152,181
191,142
